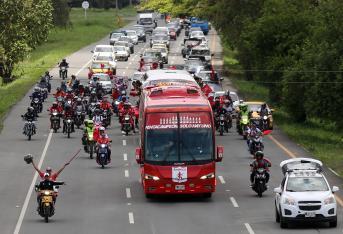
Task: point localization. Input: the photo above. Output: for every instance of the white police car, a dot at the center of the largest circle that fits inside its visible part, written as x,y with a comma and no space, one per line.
304,194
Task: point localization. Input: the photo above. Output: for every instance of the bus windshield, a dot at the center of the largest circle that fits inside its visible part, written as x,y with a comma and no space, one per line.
178,138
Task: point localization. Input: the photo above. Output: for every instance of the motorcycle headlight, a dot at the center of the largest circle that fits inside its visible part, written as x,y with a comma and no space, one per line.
103,146
265,117
150,177
46,193
289,201
68,120
127,118
208,176
329,200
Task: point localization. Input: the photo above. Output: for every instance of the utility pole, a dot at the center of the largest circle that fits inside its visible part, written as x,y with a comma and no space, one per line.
117,2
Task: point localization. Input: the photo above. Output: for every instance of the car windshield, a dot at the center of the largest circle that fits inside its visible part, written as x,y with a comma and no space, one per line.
104,58
304,184
193,63
145,21
124,39
152,54
254,107
101,77
160,37
161,49
122,43
197,33
119,48
131,33
188,140
205,75
116,35
100,66
103,49
201,52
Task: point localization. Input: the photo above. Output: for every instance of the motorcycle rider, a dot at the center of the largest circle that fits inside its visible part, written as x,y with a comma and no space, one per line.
73,83
93,97
127,110
68,114
37,94
63,64
79,106
47,184
58,109
29,116
259,162
253,132
105,104
227,96
104,139
63,86
44,83
52,175
217,105
264,110
89,128
70,94
59,93
97,118
243,111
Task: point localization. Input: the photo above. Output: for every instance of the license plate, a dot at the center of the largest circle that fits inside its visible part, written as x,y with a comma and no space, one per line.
47,199
180,187
310,214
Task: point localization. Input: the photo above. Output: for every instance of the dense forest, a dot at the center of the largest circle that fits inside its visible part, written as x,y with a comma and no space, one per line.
295,48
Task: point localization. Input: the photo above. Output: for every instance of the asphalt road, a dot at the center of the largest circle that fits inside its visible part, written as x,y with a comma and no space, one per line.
112,200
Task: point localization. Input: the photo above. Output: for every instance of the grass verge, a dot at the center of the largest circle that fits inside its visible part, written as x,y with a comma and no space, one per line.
320,138
60,43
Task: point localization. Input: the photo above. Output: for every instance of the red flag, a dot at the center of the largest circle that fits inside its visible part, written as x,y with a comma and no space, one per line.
206,89
267,132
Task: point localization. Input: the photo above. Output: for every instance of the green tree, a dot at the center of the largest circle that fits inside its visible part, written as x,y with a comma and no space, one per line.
23,24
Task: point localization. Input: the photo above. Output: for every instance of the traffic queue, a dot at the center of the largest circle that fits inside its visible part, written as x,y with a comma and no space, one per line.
176,109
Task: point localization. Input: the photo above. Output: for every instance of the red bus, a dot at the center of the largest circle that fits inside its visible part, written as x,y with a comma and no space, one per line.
177,153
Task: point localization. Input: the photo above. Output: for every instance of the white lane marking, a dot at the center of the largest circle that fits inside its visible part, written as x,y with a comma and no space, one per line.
221,179
131,219
128,193
124,142
334,172
83,67
125,157
248,227
228,190
129,204
233,201
126,173
29,192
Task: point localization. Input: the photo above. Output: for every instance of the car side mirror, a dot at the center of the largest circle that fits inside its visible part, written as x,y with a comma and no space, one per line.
139,155
277,190
220,153
334,189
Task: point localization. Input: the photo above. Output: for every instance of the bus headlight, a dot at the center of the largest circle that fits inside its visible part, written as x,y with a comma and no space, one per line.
208,176
150,177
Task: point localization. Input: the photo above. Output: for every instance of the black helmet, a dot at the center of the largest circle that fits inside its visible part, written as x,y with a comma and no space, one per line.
259,154
264,105
73,76
64,60
67,107
30,109
58,89
47,73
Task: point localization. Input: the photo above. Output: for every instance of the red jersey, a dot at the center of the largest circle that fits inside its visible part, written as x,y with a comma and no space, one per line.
105,106
52,177
59,109
115,94
103,140
60,94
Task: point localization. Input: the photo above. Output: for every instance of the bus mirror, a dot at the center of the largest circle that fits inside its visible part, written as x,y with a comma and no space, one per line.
220,153
139,155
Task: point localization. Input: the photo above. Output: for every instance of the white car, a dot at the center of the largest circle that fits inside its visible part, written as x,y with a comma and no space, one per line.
114,37
103,49
164,52
121,53
125,44
304,194
132,34
106,58
105,81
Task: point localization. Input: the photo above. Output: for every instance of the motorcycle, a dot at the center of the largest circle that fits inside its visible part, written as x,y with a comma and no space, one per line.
90,147
63,72
55,121
37,105
256,145
78,117
106,118
29,129
102,155
69,126
243,126
264,123
259,185
91,110
115,107
128,124
221,125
